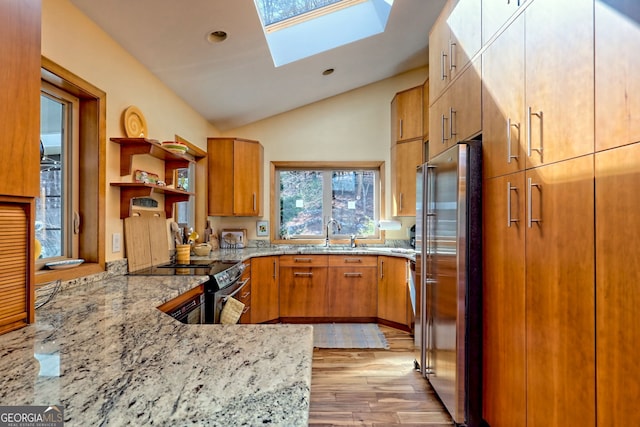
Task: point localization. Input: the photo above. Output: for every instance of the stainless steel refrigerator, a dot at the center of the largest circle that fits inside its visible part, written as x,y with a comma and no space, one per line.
448,323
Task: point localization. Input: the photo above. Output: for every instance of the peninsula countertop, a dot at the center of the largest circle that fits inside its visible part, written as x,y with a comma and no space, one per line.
110,357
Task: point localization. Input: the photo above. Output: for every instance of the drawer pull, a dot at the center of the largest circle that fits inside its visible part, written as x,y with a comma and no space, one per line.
303,274
302,260
352,260
352,274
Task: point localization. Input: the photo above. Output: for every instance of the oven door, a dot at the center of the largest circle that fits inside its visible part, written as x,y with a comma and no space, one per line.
191,312
222,295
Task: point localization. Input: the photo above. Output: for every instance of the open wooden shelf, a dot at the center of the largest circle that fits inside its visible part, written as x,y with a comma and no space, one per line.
132,146
130,190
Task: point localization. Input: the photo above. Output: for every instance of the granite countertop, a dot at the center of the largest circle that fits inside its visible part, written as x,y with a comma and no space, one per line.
247,253
104,352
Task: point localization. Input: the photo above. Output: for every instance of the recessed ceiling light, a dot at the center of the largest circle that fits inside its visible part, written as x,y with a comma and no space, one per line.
328,71
217,36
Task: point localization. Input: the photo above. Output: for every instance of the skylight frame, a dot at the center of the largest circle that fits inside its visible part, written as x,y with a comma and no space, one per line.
310,15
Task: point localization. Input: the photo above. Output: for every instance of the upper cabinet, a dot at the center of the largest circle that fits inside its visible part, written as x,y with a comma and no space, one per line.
235,177
19,97
454,39
425,110
495,14
617,41
537,109
456,115
559,82
503,109
405,158
406,115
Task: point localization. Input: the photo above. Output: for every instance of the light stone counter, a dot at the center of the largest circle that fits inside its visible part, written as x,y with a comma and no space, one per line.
104,352
247,253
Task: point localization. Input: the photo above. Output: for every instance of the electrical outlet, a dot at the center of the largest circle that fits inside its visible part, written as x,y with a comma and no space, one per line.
116,243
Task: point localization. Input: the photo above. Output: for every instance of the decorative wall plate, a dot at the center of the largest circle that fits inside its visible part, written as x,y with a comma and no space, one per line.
135,124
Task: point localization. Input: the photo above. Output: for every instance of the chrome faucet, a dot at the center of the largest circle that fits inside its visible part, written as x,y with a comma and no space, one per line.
338,226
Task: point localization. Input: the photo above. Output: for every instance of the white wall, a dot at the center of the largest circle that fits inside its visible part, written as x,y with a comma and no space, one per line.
351,126
76,43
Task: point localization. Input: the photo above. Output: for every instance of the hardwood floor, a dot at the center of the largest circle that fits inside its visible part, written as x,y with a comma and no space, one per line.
373,387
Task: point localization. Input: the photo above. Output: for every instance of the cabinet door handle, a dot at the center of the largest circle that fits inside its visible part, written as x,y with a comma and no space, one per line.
443,129
452,64
530,186
382,269
510,220
443,73
274,269
509,126
400,205
296,274
452,112
254,202
401,128
352,274
529,149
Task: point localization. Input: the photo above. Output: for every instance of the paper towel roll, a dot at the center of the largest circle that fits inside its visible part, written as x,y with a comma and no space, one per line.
386,224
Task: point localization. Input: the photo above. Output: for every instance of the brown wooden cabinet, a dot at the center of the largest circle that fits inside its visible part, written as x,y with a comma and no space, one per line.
19,158
560,294
617,292
352,290
235,177
20,97
244,296
503,130
265,298
503,301
559,100
538,278
406,115
617,41
495,14
303,285
393,289
456,115
405,158
453,41
425,112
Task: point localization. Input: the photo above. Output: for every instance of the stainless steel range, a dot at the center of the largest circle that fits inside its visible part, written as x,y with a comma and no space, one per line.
223,283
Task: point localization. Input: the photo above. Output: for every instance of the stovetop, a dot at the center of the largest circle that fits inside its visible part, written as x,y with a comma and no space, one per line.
223,273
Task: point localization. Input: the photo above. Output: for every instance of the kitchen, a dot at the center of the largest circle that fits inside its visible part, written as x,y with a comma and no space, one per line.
96,58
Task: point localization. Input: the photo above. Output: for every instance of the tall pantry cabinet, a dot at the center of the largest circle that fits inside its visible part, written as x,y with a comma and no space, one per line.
19,148
617,171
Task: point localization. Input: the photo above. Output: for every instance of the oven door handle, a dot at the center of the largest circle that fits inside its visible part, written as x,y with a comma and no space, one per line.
226,297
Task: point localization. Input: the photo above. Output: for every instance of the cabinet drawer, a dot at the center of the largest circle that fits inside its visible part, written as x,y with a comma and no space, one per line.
304,260
353,260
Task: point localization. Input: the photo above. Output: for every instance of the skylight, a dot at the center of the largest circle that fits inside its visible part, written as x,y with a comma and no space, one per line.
297,29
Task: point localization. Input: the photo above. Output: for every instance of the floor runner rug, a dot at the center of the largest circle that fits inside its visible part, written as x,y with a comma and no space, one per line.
348,335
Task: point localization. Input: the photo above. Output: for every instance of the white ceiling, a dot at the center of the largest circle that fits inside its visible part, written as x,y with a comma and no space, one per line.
235,82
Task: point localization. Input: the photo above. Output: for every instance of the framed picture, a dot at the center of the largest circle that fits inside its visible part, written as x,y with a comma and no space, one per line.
262,228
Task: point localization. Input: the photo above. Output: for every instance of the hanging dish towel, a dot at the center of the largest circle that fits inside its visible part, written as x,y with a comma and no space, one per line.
231,312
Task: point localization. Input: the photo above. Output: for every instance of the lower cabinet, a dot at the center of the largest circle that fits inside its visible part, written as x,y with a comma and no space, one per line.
244,296
16,263
393,289
265,298
303,285
352,288
617,291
